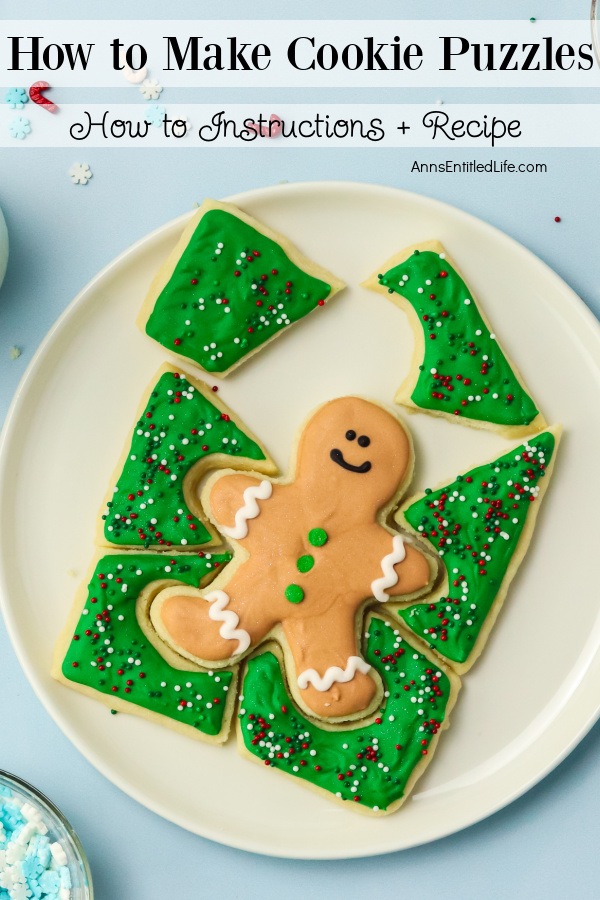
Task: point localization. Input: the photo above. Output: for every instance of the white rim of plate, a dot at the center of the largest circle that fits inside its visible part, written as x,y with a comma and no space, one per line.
587,690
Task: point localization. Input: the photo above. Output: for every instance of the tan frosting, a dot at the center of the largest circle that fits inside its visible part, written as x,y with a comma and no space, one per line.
321,630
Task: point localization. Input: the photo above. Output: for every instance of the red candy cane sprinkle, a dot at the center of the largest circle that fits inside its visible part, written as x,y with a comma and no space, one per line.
36,95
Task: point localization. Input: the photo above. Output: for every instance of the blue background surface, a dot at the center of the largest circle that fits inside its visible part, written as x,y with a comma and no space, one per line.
545,845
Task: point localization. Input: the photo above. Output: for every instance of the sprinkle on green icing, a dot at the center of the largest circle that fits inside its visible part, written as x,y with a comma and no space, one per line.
294,593
110,653
464,371
475,524
317,537
232,289
178,428
305,563
371,764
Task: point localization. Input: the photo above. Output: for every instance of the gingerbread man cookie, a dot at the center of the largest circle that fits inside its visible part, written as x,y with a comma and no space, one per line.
310,553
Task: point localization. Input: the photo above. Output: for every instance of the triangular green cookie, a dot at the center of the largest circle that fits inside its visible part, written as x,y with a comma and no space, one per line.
182,431
480,524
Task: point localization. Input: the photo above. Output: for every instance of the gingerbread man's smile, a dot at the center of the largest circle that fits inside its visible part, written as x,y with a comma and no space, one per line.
338,457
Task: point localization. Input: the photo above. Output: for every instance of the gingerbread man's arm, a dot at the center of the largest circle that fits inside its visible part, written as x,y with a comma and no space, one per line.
233,500
404,569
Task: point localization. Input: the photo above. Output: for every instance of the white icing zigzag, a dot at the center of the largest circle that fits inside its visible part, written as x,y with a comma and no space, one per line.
218,601
333,674
249,510
390,576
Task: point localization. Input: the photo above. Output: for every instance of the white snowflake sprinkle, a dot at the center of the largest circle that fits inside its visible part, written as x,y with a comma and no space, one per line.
150,89
80,173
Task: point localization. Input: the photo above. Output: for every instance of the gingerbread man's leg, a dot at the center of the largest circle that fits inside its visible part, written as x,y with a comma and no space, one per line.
211,627
331,677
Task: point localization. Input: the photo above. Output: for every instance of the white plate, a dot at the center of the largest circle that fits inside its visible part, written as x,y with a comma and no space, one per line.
536,690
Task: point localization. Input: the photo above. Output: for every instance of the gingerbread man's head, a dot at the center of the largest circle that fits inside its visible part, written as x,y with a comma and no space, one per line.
356,450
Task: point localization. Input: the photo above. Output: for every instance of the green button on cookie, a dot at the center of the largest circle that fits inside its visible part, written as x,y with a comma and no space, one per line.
294,593
305,563
317,537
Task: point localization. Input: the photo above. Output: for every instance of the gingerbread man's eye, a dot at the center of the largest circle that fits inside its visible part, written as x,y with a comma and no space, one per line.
350,435
364,441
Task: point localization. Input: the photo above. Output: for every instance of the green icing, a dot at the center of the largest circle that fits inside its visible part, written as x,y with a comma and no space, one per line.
178,428
475,523
305,563
464,371
110,653
294,593
232,289
376,760
317,537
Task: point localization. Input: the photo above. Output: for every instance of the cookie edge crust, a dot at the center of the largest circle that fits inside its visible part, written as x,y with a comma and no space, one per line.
63,641
163,276
194,475
403,394
515,562
417,772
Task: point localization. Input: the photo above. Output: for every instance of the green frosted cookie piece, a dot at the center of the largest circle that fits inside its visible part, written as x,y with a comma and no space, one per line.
110,653
464,371
178,428
231,290
475,523
370,765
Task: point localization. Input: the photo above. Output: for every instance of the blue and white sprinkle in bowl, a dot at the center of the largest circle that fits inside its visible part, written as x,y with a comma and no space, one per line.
40,854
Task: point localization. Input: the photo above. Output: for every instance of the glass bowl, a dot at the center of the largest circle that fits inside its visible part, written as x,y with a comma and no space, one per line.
59,830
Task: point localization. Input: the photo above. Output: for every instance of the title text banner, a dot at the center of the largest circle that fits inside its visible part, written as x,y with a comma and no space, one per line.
300,54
